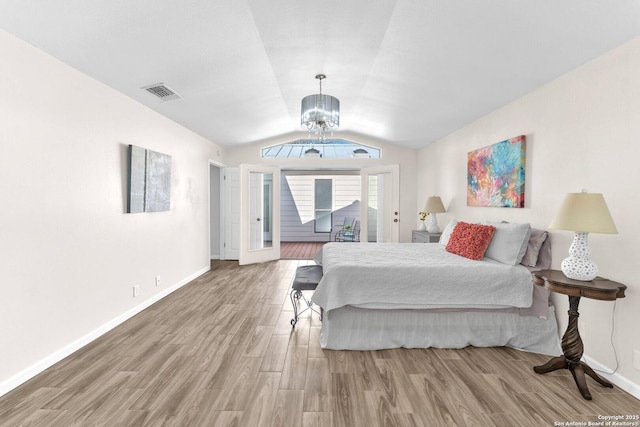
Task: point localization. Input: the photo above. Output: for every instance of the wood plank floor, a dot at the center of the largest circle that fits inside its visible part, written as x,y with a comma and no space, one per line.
299,250
220,352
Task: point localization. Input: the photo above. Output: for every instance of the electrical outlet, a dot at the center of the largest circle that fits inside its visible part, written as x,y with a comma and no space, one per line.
157,281
136,290
636,359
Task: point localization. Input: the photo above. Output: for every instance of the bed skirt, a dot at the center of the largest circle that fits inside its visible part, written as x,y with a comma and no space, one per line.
350,328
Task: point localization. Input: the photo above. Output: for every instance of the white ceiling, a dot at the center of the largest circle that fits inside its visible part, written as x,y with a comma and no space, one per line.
405,71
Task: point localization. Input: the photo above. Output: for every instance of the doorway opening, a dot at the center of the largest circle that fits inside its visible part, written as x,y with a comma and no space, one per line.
311,207
314,203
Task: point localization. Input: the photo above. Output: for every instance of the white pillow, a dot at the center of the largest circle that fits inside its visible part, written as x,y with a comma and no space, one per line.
446,233
509,242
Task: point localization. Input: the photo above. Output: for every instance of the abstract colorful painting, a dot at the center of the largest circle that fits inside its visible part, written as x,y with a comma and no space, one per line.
495,174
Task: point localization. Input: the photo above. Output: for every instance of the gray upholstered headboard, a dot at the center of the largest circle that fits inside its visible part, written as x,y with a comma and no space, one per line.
544,256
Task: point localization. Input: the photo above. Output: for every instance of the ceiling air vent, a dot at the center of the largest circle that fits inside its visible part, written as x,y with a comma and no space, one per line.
163,92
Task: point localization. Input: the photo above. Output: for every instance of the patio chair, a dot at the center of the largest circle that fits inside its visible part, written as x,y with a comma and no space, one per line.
347,226
351,234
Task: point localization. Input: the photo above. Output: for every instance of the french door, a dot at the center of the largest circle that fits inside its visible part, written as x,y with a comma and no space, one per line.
259,213
379,216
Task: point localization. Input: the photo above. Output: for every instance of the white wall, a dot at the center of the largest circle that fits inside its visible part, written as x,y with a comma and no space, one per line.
406,158
69,254
582,132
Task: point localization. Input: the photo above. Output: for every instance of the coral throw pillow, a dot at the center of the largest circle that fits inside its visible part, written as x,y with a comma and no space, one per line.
470,240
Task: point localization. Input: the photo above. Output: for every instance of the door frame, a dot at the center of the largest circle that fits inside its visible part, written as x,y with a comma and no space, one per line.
221,206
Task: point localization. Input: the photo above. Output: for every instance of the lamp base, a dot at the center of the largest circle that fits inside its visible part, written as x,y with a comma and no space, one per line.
578,266
433,224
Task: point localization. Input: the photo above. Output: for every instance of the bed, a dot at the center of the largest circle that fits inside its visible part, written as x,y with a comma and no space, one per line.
378,296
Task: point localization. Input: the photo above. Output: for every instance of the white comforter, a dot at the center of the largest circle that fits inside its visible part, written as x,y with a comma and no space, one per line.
410,276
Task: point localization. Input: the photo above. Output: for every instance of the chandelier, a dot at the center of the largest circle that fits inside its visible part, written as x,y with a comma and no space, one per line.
320,113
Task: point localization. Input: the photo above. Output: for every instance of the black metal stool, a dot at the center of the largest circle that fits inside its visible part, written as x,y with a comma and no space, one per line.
306,279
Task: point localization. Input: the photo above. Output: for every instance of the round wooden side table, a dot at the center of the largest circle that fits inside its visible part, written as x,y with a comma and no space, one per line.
598,288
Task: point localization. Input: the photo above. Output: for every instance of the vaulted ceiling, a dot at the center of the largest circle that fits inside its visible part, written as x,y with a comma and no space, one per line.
405,71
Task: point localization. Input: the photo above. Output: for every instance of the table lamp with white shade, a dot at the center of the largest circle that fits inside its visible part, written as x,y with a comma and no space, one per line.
583,213
432,207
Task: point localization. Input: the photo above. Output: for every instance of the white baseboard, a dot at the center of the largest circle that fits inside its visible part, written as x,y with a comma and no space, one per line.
617,379
54,358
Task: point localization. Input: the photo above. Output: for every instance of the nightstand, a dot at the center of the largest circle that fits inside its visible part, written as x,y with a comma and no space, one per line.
418,236
598,288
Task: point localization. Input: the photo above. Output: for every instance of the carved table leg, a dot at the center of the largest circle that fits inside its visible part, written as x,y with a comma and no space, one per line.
571,341
598,378
552,365
578,377
572,348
